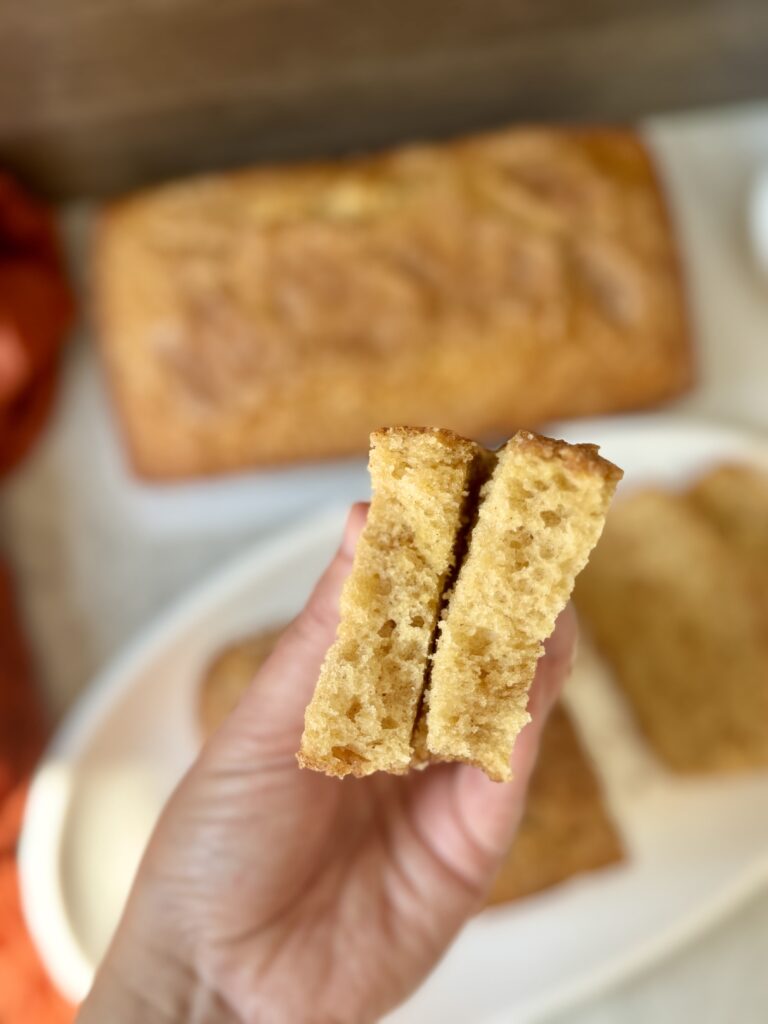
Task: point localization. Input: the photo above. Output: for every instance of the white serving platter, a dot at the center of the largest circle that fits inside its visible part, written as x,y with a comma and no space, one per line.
696,847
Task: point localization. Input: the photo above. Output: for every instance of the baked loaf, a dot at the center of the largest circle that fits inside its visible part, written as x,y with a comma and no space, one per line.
673,608
566,828
282,313
229,675
512,528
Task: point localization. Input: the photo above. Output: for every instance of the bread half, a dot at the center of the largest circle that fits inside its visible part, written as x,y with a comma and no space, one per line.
540,514
362,714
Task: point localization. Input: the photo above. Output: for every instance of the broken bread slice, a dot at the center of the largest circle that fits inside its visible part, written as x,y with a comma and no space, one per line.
361,717
539,515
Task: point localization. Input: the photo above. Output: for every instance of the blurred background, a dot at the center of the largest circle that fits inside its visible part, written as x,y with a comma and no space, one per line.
189,372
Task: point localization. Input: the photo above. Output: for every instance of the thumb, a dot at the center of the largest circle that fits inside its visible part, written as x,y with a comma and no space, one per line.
270,717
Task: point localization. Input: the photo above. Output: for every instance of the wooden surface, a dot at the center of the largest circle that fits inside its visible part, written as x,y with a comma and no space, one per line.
100,95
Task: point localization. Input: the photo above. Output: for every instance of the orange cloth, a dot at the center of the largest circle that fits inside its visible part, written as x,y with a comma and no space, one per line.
35,312
26,994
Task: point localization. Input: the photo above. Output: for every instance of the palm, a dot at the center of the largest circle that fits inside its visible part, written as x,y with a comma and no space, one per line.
328,900
366,879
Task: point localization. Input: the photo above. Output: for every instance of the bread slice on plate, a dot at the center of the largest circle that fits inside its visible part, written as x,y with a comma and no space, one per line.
566,829
734,498
229,674
489,541
674,611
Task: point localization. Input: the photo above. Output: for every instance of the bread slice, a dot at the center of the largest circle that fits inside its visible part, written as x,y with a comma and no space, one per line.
229,675
566,829
674,612
540,514
361,717
734,498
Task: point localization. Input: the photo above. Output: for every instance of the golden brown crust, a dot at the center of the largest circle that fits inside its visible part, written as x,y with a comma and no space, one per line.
449,438
581,458
536,277
327,767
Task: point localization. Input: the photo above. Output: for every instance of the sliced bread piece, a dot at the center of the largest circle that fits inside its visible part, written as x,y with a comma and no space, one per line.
734,498
540,514
362,714
566,828
674,613
229,674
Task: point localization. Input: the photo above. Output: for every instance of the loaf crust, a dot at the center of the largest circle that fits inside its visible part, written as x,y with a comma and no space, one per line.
281,313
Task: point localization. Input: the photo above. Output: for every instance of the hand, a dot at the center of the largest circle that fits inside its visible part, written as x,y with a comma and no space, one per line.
272,895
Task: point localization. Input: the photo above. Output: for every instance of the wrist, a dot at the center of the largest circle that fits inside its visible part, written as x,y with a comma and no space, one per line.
140,985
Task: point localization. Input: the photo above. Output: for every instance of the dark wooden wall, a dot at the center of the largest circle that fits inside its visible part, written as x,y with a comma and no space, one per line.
101,95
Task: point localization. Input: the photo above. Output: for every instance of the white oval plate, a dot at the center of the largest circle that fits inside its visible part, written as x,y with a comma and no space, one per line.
695,847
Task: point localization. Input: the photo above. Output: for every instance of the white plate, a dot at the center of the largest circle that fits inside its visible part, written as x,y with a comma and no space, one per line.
695,847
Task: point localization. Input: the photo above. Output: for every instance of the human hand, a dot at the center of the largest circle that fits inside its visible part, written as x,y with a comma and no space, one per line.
271,895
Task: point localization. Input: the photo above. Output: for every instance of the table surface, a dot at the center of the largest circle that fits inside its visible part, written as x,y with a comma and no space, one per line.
91,576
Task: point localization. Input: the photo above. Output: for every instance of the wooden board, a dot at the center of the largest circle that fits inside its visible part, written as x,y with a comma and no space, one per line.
102,95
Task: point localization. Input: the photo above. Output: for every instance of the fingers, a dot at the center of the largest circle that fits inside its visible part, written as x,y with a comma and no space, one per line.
313,630
493,811
471,819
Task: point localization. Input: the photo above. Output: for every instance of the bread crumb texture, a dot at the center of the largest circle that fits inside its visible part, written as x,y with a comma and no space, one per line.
362,714
541,513
541,510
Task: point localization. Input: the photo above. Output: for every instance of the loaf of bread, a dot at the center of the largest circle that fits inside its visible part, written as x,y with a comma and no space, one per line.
512,529
566,828
673,607
282,313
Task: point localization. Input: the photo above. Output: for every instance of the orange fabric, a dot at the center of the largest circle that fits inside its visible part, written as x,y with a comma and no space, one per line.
35,312
26,994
